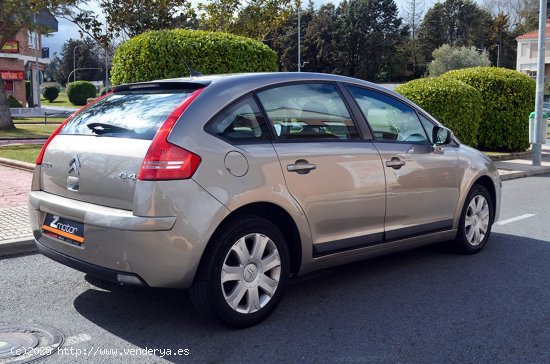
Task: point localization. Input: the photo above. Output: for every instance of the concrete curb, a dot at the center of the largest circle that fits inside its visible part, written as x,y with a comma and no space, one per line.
521,174
17,164
17,246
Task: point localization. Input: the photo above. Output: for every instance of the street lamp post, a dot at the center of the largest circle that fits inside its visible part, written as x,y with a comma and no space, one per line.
74,61
299,55
537,145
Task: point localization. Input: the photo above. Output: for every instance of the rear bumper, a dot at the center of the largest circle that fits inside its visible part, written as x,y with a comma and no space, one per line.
110,275
100,216
161,251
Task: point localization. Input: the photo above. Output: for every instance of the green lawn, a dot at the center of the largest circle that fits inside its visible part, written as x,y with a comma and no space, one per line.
25,153
28,131
61,100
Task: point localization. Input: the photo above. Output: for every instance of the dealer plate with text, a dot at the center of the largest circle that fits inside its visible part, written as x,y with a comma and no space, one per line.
63,229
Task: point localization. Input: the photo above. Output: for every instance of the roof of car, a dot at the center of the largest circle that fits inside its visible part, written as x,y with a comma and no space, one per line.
259,79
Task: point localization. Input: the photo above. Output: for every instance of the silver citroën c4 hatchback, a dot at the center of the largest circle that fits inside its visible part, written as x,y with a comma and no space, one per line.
229,185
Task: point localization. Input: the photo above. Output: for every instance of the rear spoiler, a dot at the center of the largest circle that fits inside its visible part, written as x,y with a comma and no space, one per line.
160,86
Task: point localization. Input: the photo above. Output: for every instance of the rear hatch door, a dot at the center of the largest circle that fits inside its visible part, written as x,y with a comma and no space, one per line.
97,155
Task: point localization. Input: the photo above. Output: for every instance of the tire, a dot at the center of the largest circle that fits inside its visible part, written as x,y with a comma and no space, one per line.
476,221
253,282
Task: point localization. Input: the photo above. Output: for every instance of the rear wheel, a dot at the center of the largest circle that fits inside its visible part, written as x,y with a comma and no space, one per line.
475,221
243,274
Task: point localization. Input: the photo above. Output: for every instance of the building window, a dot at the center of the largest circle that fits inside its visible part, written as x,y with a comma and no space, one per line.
534,50
524,50
32,39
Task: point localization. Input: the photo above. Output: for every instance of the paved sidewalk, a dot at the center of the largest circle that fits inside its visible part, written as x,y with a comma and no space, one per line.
15,232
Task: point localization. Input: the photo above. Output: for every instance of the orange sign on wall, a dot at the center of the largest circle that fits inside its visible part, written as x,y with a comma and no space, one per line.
12,75
11,46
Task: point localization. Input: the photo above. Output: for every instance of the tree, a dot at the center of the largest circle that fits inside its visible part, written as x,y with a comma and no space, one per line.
133,17
502,52
523,15
369,33
319,45
284,39
17,15
87,56
446,58
414,10
254,19
128,18
457,23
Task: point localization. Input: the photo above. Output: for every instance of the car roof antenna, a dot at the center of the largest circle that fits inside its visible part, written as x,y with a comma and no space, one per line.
192,72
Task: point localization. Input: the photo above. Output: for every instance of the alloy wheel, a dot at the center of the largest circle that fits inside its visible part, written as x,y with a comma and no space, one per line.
476,220
251,273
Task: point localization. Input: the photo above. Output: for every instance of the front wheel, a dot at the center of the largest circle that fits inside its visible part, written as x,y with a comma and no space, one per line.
243,274
475,221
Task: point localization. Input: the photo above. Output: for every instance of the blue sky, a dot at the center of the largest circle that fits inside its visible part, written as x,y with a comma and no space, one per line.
68,30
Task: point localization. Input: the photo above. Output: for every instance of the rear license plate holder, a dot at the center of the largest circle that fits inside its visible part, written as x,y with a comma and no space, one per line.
63,229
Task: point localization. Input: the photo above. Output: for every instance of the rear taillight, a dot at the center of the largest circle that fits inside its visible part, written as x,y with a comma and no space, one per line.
164,160
58,129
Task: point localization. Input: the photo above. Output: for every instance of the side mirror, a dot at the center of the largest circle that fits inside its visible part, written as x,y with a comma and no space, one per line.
441,135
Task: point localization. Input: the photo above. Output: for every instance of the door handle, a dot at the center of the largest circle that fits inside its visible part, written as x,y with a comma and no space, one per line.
301,166
395,163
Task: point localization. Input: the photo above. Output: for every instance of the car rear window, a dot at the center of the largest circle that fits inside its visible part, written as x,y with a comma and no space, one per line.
126,115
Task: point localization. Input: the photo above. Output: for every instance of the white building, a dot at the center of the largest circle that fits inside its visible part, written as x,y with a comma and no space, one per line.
527,52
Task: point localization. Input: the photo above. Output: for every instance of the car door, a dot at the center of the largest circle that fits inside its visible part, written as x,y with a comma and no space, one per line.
422,181
335,175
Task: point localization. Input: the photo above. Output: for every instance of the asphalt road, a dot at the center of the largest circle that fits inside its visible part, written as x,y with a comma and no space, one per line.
422,306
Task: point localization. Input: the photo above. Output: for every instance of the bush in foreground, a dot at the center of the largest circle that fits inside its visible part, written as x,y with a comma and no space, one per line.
455,104
508,97
161,54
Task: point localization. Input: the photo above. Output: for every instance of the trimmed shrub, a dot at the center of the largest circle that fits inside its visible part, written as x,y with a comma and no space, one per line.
50,93
508,99
90,99
105,90
161,54
13,102
80,91
453,103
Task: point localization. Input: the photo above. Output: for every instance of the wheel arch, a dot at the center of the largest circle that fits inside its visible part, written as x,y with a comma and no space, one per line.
487,182
277,215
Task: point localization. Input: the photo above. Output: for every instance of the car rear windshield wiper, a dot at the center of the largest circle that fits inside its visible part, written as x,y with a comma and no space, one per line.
103,128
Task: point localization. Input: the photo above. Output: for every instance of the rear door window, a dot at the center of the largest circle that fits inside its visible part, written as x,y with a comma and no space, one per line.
126,115
313,111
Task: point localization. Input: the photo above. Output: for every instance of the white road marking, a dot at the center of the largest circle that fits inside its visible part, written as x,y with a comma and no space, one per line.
77,339
514,219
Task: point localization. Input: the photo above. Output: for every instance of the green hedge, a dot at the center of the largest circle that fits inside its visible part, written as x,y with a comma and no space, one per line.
160,54
508,99
13,102
50,93
455,104
80,91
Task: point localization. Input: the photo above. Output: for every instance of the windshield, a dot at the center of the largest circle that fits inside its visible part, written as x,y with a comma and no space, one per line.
126,115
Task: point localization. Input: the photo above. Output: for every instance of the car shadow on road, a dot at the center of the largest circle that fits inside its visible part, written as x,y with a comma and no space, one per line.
426,301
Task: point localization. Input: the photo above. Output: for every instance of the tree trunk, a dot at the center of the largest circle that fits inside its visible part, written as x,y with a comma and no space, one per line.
6,121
